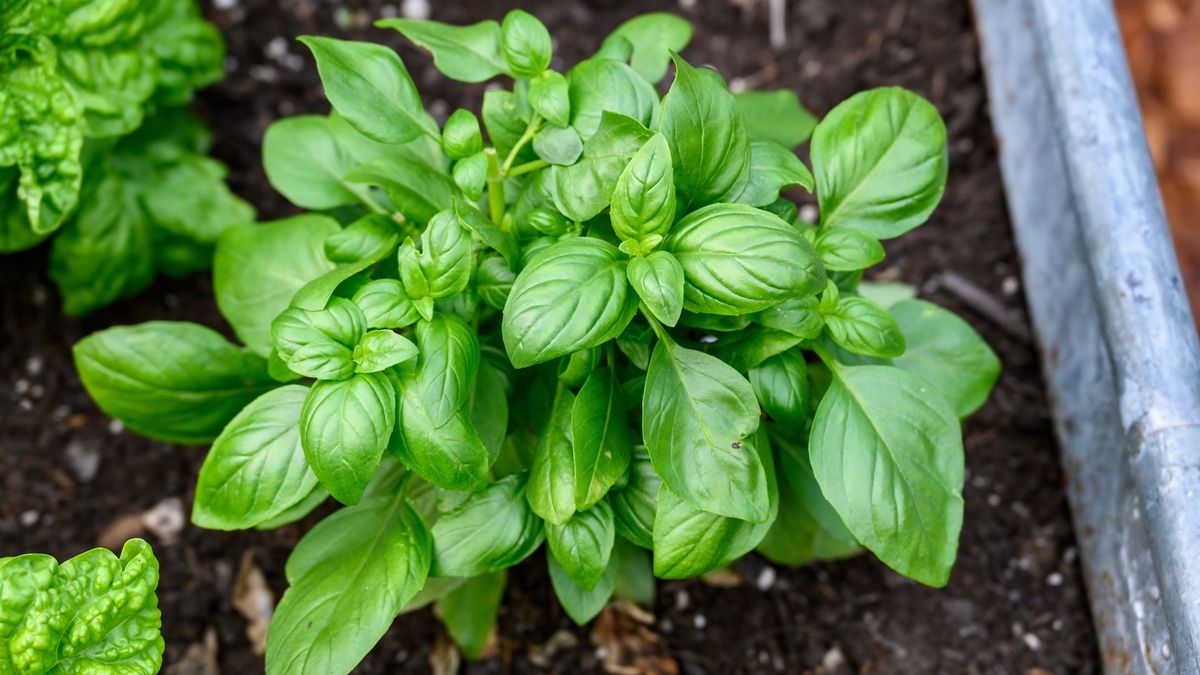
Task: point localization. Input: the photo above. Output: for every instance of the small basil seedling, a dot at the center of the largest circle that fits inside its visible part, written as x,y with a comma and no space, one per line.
603,328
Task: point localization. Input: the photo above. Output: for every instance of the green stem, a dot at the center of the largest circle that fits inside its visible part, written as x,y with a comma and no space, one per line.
527,167
495,187
530,132
364,195
661,332
406,226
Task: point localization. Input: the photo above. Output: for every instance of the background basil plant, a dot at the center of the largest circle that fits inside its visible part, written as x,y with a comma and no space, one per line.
603,329
95,143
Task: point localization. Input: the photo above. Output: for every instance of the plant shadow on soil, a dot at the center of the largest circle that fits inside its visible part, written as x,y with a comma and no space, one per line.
1016,602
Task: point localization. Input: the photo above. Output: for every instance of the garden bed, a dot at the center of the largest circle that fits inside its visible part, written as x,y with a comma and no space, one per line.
1015,603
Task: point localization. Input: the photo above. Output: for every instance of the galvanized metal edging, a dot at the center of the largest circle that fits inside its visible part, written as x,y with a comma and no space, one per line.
1120,351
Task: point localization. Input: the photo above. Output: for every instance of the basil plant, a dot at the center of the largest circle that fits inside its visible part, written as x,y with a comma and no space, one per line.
601,328
96,144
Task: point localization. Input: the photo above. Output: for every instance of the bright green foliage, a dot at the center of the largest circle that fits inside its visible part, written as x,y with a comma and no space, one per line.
594,322
95,613
94,142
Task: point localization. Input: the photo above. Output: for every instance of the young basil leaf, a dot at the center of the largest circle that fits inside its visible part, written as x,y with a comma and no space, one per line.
304,162
469,611
344,428
368,238
558,145
525,43
384,304
785,209
946,351
550,97
887,452
709,145
698,415
635,503
318,344
258,268
504,124
370,88
493,281
573,296
582,605
489,407
739,260
461,137
798,316
463,53
643,201
597,87
600,438
492,530
880,161
444,264
781,385
551,488
581,191
714,322
658,280
94,613
351,576
15,232
172,381
689,541
863,327
470,175
380,349
775,116
256,468
772,168
652,37
583,545
843,249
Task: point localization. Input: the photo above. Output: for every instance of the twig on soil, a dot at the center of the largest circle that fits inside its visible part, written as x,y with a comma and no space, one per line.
985,304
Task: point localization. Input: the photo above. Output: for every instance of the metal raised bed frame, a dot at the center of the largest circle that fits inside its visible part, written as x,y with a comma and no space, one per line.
1118,342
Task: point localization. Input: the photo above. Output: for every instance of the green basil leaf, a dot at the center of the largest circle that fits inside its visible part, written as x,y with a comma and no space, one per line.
887,452
298,511
739,260
94,613
380,349
775,116
463,53
635,574
425,150
643,201
504,123
342,323
525,43
689,541
652,37
444,264
582,605
413,189
384,304
493,281
351,576
599,86
698,416
773,167
575,369
469,611
368,238
344,428
946,351
635,504
751,347
880,161
551,488
709,145
256,468
492,530
558,145
887,293
843,249
323,361
572,296
489,407
461,137
799,317
863,327
781,385
583,545
658,280
305,163
258,268
370,88
550,97
499,239
581,191
600,438
172,381
449,363
470,175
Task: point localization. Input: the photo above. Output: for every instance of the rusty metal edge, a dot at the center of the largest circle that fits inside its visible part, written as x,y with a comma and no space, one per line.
1119,345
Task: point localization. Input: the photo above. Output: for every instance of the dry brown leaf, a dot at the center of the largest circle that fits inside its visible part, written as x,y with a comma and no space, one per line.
199,659
253,599
117,532
444,658
543,655
627,645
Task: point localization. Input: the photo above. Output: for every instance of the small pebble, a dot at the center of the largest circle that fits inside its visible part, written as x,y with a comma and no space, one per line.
115,427
993,500
277,48
84,459
1055,579
700,622
415,9
21,386
808,213
166,519
1010,286
766,579
225,5
834,658
681,600
30,518
34,365
1032,641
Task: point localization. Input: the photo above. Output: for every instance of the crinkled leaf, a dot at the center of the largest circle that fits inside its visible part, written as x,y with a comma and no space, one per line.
444,263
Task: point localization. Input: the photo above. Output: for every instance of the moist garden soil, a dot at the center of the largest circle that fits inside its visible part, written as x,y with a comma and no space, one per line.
70,478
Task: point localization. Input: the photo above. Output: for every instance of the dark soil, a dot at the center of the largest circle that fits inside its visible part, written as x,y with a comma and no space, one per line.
1015,604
